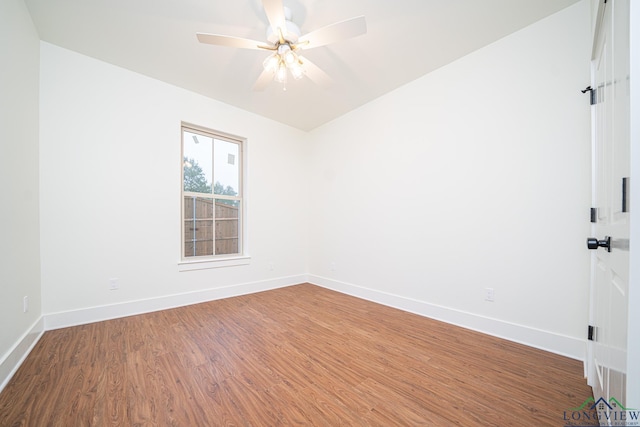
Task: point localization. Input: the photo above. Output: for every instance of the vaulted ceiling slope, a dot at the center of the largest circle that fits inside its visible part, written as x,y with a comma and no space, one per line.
405,39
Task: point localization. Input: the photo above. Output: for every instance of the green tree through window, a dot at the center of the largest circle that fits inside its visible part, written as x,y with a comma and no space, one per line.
194,179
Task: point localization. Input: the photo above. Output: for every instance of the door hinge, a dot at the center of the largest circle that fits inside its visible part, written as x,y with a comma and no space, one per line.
594,215
592,95
591,334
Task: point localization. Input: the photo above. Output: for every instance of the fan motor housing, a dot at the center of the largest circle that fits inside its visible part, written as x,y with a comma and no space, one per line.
291,32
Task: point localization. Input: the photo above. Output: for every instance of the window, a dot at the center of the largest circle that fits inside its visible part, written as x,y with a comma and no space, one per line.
212,195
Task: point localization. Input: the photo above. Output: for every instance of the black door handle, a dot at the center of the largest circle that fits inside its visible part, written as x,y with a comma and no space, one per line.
593,243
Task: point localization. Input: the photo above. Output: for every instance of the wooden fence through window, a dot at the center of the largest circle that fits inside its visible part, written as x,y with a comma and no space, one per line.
199,230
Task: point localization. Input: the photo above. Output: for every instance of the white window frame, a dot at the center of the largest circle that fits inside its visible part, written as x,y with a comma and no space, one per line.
224,260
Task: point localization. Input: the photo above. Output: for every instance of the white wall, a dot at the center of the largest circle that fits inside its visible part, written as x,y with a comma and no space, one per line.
474,176
19,219
110,193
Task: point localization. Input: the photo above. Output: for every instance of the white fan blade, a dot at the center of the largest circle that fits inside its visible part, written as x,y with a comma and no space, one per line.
275,14
335,32
315,73
230,41
263,81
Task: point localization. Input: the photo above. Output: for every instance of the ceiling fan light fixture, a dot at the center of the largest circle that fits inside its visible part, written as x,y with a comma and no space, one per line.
271,63
297,71
290,58
281,73
283,61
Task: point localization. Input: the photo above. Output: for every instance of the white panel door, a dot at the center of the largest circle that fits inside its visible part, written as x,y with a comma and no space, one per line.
611,184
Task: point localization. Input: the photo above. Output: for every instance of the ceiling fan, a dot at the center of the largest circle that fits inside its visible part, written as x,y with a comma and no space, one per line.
286,43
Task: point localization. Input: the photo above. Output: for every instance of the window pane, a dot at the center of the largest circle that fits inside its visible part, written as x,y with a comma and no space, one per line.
227,226
198,226
197,162
226,168
212,194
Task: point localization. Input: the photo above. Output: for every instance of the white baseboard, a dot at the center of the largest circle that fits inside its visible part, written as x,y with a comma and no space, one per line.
105,312
19,352
544,340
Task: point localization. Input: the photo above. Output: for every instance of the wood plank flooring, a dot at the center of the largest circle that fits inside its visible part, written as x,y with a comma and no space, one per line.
300,355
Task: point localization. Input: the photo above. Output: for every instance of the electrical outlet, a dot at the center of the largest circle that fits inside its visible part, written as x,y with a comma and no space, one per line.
332,266
25,304
270,266
113,284
489,294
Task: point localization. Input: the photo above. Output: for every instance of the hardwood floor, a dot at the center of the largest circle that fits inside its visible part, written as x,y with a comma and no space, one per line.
301,355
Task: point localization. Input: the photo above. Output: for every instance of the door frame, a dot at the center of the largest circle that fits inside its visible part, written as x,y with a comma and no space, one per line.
633,335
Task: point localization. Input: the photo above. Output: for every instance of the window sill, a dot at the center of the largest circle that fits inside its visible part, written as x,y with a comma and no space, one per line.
204,264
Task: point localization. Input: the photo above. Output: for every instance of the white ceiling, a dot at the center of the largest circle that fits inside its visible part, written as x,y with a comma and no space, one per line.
405,40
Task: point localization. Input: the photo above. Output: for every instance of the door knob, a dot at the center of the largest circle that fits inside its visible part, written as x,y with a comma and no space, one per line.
593,243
